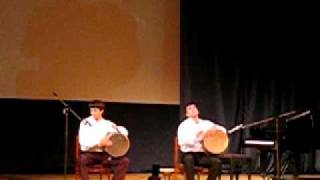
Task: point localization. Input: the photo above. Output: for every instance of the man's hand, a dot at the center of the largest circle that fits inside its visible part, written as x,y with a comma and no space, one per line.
106,142
200,135
218,127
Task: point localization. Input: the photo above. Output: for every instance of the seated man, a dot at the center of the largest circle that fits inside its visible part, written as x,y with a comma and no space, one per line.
190,136
94,133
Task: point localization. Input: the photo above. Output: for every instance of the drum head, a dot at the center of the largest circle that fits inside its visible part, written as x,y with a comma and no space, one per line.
120,145
216,141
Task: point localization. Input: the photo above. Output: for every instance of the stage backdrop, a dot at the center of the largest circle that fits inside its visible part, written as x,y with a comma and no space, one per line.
83,49
33,134
243,65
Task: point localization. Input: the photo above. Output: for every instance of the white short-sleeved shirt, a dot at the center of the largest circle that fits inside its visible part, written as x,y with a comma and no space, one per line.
91,132
187,134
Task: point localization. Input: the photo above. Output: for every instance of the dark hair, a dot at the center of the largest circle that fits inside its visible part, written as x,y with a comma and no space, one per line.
190,103
97,104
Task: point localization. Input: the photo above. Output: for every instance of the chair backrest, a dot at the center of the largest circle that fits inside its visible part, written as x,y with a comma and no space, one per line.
176,153
77,148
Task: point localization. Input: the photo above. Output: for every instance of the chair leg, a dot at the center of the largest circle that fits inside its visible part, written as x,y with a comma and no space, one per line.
219,177
198,176
77,174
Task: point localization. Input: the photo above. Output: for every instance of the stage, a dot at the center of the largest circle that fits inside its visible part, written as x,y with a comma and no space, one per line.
130,176
135,176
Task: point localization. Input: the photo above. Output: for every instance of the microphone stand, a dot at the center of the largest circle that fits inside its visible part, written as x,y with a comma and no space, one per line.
277,141
277,138
277,144
66,110
277,151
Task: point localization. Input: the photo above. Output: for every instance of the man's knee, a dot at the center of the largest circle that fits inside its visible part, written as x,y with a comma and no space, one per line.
215,162
83,160
125,160
188,158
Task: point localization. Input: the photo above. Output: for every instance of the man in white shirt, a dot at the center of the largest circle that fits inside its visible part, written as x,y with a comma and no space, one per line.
94,133
190,136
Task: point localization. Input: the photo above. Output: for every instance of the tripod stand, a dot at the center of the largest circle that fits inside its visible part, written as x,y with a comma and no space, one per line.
66,110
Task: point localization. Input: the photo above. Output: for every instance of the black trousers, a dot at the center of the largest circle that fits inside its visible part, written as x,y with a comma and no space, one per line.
120,165
192,159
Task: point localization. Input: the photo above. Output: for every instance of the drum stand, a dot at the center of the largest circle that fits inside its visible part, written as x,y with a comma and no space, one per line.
66,110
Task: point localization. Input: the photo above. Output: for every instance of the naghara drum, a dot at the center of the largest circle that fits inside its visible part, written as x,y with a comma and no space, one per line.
215,141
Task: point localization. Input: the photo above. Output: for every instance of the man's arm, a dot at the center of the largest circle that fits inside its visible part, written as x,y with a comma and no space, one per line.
123,130
85,139
217,126
185,138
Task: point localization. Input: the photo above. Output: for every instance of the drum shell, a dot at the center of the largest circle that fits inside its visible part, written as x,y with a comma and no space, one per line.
215,141
120,145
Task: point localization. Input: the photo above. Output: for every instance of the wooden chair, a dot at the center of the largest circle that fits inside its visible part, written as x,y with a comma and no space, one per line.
178,166
94,169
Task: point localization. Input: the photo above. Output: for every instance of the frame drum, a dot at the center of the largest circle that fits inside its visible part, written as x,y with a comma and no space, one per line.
215,141
120,145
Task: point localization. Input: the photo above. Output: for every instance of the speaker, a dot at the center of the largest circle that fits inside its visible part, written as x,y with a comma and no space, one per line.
155,170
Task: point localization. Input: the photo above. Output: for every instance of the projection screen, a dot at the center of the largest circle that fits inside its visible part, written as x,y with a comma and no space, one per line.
115,50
